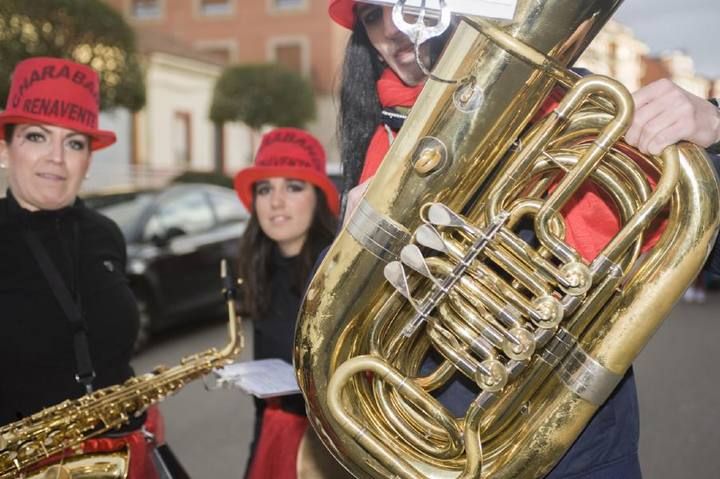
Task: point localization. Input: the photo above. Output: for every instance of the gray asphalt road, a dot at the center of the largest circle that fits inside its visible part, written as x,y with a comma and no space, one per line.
209,430
677,379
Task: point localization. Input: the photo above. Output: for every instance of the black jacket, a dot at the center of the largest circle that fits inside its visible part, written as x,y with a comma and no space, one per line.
37,359
274,334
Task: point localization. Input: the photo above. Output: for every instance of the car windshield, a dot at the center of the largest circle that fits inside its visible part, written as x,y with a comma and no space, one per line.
127,211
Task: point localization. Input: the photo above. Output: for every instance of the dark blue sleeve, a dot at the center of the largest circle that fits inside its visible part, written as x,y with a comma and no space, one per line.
608,446
713,262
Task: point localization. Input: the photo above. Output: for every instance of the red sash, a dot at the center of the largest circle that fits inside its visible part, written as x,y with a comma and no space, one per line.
277,449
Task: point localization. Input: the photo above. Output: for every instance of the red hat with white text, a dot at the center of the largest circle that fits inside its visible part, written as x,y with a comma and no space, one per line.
57,92
288,153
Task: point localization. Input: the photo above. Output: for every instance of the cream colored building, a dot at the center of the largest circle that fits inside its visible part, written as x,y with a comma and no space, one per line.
682,70
295,33
616,52
173,132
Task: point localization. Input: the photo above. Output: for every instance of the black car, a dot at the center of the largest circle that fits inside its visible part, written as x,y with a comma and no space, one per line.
176,238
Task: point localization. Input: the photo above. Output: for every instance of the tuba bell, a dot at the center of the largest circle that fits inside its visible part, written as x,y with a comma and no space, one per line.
434,262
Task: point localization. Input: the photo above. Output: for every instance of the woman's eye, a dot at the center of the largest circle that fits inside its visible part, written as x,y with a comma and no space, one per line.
371,15
34,136
261,190
296,186
77,145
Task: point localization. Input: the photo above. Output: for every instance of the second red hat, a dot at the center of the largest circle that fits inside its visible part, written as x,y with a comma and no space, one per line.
289,153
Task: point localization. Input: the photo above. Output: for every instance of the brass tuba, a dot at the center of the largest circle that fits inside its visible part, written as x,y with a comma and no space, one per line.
433,262
48,444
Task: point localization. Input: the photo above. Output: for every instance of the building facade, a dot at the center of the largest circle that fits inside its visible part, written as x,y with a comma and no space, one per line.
616,52
295,33
172,133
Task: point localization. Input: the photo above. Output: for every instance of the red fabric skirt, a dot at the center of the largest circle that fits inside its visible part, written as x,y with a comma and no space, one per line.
277,449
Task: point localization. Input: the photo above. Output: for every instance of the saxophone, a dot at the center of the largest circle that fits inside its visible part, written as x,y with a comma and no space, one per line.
434,263
48,443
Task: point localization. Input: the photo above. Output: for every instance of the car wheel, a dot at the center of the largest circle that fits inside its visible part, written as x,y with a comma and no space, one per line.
145,329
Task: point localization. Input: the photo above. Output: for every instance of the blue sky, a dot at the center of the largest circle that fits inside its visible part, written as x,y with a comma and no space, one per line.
689,25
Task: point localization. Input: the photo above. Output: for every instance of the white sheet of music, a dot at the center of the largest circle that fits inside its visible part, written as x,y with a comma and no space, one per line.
502,9
263,378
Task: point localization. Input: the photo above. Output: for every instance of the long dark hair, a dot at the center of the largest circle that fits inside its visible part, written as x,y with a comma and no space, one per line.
256,250
8,131
359,103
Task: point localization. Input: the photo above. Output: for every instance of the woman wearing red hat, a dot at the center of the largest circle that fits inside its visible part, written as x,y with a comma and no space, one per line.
381,82
294,208
69,319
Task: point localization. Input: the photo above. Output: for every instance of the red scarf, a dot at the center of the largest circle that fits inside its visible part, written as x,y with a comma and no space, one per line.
392,92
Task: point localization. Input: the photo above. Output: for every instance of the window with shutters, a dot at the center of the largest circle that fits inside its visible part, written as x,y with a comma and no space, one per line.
290,56
146,8
215,7
182,139
293,52
288,4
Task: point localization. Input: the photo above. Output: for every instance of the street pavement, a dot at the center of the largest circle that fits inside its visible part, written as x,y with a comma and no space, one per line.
677,377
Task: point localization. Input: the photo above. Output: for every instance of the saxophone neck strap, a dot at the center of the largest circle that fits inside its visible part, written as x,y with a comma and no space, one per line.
72,309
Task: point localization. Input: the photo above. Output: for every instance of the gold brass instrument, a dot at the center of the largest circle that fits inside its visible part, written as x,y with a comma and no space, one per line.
48,443
432,261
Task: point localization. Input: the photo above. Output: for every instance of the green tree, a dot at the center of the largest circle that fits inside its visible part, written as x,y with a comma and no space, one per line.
265,94
87,31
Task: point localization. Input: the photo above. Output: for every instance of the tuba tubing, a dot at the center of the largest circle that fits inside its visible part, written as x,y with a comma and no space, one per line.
360,343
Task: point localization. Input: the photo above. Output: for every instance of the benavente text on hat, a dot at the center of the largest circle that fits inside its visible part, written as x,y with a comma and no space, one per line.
60,109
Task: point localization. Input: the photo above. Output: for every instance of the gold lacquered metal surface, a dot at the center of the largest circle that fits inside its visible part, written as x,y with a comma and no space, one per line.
542,333
89,466
43,445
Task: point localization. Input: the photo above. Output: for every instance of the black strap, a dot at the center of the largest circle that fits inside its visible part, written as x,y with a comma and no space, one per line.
85,372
